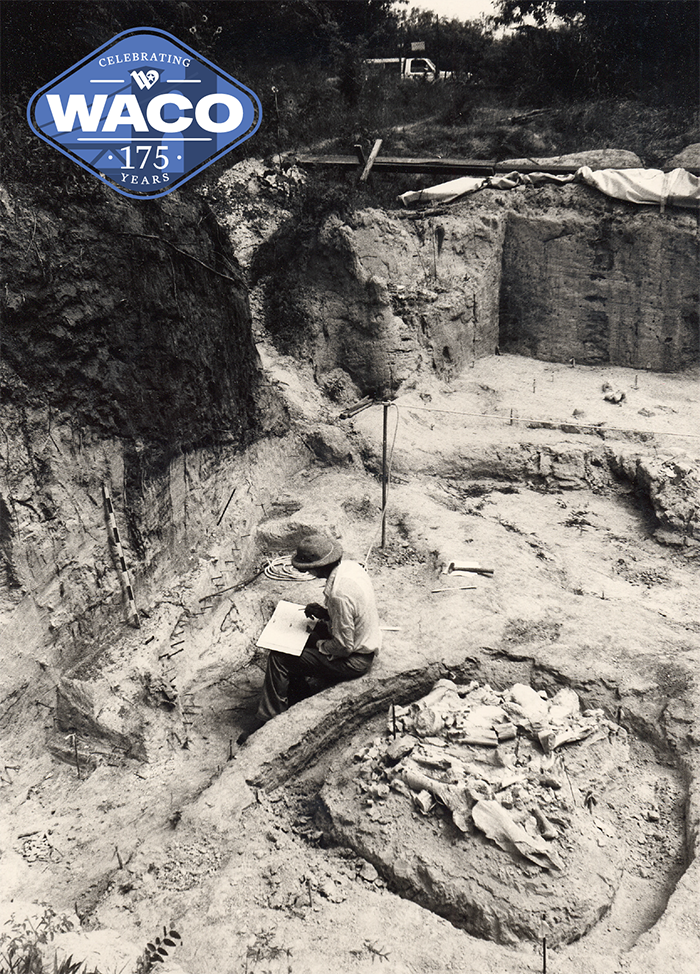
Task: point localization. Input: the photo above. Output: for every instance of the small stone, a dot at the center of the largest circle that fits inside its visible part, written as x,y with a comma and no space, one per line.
332,892
368,872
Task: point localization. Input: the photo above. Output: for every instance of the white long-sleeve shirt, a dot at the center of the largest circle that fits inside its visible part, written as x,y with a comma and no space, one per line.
354,620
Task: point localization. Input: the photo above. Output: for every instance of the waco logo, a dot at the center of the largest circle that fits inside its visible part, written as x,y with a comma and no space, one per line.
144,113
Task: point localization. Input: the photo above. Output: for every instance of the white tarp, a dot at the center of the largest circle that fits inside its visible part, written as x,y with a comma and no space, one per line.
444,192
645,186
675,188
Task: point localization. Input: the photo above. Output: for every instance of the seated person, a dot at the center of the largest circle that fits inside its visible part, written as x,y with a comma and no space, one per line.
345,639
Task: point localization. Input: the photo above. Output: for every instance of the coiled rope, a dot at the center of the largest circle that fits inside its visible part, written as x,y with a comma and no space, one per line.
281,569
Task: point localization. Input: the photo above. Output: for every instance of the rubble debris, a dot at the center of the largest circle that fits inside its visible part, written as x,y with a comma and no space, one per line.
368,872
38,849
488,757
613,395
502,775
159,691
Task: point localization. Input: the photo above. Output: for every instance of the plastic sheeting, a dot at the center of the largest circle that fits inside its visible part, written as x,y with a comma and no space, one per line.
644,186
650,186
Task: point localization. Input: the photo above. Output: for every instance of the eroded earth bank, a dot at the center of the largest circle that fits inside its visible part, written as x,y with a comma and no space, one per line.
533,356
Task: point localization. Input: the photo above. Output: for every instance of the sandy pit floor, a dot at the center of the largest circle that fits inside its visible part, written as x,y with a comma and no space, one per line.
509,465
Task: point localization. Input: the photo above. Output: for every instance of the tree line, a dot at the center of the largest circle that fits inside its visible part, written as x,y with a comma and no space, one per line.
544,48
630,48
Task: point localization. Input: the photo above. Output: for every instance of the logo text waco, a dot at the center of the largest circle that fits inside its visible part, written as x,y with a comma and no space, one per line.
144,113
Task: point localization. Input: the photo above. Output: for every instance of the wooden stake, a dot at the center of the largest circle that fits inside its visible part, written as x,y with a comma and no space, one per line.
75,751
385,477
543,936
568,781
370,162
464,588
226,507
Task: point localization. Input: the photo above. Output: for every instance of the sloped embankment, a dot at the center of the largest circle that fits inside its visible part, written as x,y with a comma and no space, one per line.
127,359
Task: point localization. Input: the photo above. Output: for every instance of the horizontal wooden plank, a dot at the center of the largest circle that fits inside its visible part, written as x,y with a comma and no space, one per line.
398,164
446,167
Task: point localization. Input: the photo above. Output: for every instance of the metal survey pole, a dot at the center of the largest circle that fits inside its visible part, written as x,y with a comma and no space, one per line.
385,477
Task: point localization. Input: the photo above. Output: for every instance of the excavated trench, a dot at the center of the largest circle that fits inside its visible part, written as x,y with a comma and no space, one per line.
611,806
374,305
559,275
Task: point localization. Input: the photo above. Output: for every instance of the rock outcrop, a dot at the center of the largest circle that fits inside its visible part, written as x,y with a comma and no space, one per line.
556,273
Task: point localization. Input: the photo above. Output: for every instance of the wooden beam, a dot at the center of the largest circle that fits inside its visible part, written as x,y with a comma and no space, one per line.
370,162
457,167
446,167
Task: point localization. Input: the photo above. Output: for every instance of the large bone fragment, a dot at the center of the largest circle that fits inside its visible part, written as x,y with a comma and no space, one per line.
495,822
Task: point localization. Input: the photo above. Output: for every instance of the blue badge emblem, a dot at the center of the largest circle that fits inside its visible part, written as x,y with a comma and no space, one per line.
144,113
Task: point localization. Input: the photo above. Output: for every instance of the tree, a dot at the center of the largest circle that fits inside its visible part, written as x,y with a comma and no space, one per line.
630,45
42,38
454,45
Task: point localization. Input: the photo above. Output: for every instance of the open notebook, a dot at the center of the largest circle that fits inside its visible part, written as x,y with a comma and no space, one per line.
287,629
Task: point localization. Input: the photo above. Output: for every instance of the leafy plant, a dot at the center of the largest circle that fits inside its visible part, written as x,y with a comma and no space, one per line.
69,966
156,952
32,963
376,951
20,951
373,950
263,950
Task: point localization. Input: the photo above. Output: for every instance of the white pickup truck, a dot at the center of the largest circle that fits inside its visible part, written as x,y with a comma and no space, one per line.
412,68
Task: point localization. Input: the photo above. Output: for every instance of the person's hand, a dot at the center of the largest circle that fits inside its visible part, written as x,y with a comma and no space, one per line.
315,611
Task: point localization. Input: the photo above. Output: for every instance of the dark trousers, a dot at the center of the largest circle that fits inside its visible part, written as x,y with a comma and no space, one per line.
285,671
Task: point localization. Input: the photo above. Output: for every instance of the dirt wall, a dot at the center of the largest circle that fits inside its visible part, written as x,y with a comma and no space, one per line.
132,318
128,360
383,297
620,290
551,273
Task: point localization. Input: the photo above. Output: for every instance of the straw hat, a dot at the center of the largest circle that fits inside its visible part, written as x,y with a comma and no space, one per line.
316,551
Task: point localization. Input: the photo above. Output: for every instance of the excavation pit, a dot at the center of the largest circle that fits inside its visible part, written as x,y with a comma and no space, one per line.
512,814
585,507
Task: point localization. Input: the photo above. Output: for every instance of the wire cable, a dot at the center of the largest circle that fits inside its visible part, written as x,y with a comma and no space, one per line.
281,569
592,427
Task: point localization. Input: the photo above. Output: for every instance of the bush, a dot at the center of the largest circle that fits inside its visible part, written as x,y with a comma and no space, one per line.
459,103
540,65
20,945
